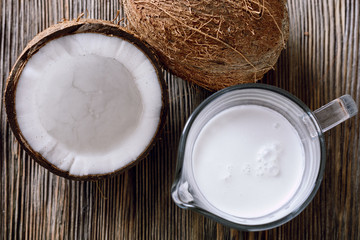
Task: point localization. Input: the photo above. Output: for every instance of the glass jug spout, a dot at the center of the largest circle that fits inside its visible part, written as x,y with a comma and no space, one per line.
181,195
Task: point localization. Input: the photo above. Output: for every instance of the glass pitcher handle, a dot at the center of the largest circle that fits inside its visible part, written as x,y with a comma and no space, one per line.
336,112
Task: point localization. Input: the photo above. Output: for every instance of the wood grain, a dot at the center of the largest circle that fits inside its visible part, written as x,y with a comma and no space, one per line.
321,62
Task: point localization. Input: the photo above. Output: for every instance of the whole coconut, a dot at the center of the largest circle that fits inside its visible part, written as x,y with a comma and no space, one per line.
214,44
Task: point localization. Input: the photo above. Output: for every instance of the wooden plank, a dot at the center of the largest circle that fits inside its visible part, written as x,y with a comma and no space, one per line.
321,62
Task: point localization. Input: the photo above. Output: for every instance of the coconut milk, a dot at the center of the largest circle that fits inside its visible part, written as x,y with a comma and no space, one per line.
248,161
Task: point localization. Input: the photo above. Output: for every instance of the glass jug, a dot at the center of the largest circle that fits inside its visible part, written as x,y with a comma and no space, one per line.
310,126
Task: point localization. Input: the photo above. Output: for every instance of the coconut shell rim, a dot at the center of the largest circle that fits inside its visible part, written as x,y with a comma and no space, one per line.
73,27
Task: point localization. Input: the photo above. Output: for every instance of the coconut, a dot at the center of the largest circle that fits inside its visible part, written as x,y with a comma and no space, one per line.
214,44
86,99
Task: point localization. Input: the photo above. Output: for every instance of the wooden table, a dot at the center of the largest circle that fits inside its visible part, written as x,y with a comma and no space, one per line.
321,62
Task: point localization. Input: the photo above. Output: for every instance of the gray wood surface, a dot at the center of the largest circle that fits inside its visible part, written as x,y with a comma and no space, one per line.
321,62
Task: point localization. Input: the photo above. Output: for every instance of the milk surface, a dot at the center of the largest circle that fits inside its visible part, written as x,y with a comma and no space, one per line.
248,161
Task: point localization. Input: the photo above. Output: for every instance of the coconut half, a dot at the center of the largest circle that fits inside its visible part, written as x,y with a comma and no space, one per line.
86,99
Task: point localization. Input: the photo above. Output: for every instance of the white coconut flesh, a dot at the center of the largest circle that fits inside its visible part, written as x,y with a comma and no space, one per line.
88,103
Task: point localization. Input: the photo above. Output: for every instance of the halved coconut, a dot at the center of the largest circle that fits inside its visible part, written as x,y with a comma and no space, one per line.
86,99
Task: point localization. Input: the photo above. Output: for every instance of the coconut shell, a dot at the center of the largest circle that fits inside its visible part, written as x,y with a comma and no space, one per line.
60,30
214,44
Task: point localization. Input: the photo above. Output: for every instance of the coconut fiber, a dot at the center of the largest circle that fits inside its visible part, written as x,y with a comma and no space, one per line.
214,44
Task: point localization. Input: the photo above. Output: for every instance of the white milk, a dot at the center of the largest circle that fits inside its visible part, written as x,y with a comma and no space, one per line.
248,161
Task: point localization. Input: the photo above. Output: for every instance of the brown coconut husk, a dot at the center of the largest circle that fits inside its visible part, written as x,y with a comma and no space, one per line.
214,44
59,30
